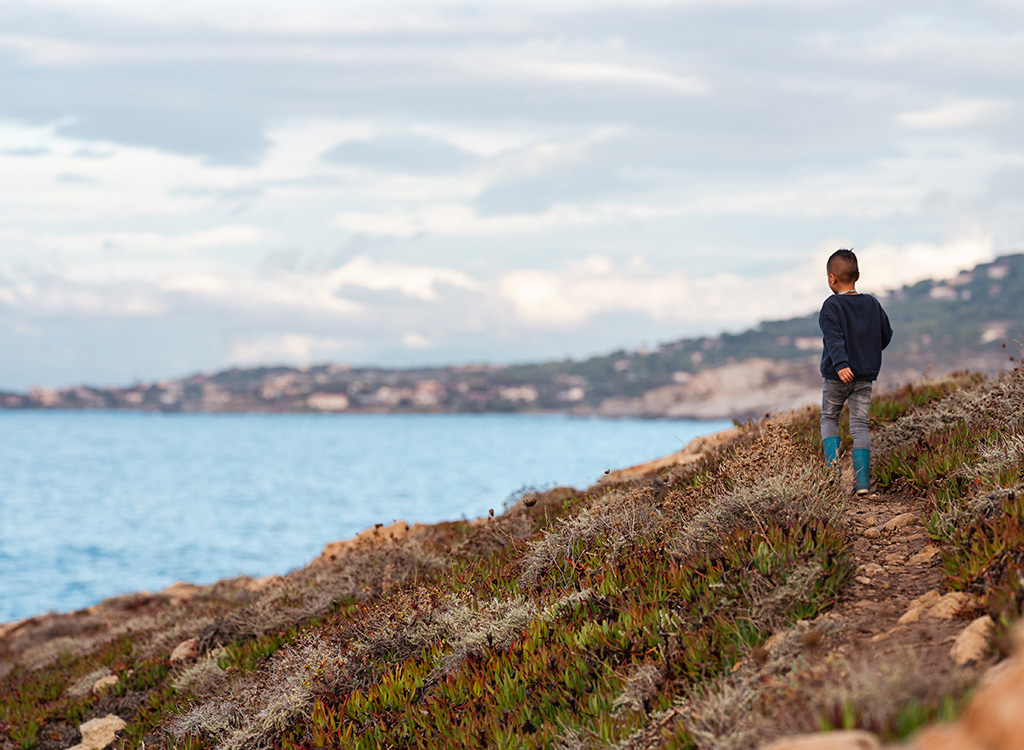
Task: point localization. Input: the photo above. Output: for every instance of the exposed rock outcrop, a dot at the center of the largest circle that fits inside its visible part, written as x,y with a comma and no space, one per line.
739,390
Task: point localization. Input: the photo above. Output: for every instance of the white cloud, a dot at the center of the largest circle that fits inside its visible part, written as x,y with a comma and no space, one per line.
580,161
463,221
954,115
293,348
577,293
890,266
593,71
55,298
153,242
415,281
414,340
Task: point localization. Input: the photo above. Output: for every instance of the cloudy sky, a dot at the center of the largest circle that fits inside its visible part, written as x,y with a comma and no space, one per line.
191,185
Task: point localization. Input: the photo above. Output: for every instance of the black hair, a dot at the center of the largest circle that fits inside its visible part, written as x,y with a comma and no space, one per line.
843,263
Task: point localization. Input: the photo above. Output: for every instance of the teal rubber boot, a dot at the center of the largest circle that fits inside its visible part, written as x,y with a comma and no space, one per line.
832,451
861,465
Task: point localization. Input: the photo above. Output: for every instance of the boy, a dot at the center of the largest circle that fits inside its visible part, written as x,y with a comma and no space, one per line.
855,330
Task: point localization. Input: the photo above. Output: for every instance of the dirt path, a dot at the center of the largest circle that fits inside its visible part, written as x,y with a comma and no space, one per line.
897,566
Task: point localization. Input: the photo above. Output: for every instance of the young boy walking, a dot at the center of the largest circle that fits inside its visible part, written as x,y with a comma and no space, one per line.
855,330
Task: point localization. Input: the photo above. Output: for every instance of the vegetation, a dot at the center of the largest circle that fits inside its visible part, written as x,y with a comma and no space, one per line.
678,611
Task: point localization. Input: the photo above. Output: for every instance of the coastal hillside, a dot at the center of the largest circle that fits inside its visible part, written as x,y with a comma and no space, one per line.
729,596
941,326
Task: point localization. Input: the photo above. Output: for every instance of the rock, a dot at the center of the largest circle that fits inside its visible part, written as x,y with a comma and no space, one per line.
372,537
995,672
181,592
992,718
918,607
185,651
972,643
87,683
850,740
863,580
104,682
872,569
994,713
872,534
694,451
736,390
99,733
944,738
901,521
949,606
257,585
924,556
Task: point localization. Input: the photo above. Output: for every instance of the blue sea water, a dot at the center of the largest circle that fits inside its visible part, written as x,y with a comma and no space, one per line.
94,504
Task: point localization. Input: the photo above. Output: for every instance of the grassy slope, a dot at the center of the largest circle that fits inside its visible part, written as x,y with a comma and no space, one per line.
630,615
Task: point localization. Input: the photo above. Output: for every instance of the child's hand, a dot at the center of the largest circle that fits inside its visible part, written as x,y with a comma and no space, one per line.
846,375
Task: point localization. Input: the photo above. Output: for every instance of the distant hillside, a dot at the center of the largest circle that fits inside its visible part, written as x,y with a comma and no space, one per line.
941,326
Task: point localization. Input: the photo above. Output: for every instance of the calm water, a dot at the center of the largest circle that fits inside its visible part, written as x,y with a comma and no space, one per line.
95,504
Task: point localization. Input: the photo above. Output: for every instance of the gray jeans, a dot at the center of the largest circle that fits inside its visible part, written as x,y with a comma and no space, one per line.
834,393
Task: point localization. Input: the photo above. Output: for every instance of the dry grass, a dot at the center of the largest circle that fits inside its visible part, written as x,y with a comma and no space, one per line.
617,517
202,678
977,404
769,479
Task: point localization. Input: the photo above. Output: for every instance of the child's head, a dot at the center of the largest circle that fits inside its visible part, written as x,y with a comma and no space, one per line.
842,267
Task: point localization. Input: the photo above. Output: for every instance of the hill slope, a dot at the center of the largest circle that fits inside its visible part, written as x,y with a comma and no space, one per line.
941,326
720,598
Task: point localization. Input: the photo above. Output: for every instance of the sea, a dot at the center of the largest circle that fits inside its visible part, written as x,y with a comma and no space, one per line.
95,504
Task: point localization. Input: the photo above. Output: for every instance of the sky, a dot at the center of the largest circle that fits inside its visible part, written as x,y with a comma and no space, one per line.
188,186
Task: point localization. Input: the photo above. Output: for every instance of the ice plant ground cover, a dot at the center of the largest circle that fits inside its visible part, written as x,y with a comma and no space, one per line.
698,607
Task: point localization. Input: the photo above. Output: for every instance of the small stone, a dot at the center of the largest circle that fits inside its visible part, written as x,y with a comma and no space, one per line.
872,533
811,638
104,682
901,521
180,592
941,737
99,733
949,606
972,643
849,740
185,651
993,715
924,556
912,615
872,569
918,607
995,673
863,580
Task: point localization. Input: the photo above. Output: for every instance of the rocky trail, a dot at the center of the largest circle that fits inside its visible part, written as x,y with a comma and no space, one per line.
897,622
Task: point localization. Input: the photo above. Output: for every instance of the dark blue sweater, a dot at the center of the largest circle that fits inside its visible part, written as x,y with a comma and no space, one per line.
855,330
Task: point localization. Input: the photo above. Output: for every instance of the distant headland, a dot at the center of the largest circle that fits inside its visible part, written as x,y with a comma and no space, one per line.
969,322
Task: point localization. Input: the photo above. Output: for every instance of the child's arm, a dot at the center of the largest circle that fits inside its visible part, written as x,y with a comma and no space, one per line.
835,343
